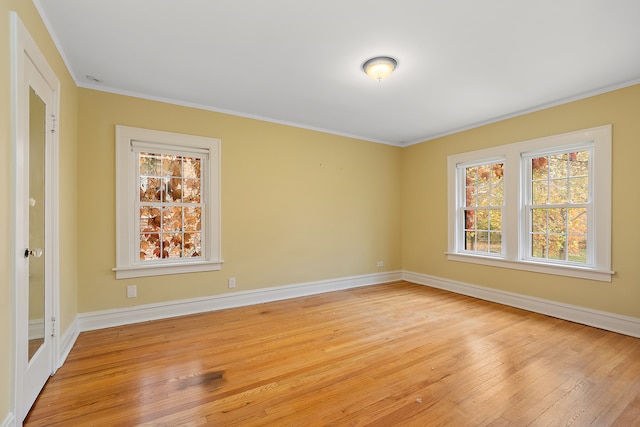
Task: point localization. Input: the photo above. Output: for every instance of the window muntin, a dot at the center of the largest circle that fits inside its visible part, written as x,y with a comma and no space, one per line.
558,205
481,209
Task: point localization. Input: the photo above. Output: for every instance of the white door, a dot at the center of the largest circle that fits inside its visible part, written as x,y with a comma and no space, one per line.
34,226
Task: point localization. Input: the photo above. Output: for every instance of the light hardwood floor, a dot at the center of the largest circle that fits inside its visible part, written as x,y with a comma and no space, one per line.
397,354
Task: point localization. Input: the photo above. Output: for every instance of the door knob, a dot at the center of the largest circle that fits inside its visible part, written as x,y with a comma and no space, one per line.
36,253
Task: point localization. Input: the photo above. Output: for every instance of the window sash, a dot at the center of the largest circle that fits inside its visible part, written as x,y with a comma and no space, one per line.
161,150
527,233
462,208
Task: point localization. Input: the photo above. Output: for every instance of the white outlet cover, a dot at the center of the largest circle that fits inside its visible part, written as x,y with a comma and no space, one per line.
132,291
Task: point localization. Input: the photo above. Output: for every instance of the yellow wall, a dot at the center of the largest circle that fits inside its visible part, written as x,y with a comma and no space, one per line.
68,211
297,205
425,203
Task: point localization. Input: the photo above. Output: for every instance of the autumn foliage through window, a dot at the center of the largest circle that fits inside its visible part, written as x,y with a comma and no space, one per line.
484,190
558,206
170,206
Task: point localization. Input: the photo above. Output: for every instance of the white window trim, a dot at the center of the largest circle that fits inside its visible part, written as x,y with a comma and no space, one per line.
127,254
514,227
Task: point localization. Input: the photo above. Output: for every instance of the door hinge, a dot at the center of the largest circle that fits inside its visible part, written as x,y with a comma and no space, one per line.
53,123
53,327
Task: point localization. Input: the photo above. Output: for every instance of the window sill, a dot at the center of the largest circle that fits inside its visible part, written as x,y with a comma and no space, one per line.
558,270
164,269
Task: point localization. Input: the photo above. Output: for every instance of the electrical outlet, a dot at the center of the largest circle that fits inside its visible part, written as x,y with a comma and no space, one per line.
132,291
232,282
380,263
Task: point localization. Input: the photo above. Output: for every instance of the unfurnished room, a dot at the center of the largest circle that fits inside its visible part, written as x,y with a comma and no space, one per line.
346,213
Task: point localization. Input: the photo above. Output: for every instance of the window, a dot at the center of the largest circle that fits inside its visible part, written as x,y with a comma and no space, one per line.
557,206
167,203
542,205
482,208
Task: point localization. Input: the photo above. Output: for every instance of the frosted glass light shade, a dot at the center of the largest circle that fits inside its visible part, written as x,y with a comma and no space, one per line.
379,68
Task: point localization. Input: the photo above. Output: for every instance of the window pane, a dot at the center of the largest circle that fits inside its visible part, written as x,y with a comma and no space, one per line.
578,221
482,220
149,218
539,245
172,245
150,189
539,168
579,163
484,195
540,193
470,240
579,190
498,173
559,191
191,191
482,241
497,194
484,174
556,249
558,166
149,246
539,220
495,219
469,219
470,199
557,220
191,167
471,175
192,246
173,190
171,165
577,248
192,219
495,242
172,218
150,164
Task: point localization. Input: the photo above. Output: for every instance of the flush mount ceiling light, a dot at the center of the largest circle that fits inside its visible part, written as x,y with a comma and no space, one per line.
380,67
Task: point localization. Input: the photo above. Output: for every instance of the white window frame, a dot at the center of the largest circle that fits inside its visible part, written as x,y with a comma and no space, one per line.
514,221
128,262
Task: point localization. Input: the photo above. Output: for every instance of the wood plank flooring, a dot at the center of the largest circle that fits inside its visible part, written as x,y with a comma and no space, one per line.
396,354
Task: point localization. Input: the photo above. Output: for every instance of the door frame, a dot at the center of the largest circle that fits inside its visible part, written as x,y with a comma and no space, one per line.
23,50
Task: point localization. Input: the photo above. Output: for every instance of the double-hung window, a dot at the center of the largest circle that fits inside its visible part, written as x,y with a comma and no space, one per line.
558,205
167,203
482,209
542,205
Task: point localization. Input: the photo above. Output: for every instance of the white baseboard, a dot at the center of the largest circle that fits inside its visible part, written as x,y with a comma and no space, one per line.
9,421
142,313
66,342
600,319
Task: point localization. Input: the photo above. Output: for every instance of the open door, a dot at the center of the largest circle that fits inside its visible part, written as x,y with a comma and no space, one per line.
35,220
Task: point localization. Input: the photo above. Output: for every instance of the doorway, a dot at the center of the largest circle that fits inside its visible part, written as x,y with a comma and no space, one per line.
35,221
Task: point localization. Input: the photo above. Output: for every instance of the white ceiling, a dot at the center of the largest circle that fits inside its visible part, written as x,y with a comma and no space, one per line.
461,62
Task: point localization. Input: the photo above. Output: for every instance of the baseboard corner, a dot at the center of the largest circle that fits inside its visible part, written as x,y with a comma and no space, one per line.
598,319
